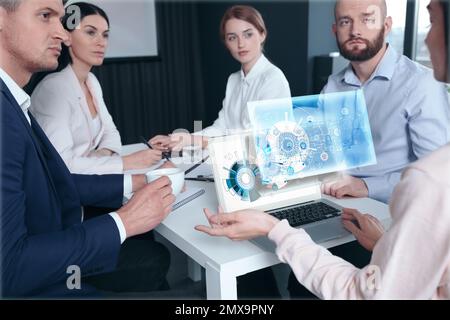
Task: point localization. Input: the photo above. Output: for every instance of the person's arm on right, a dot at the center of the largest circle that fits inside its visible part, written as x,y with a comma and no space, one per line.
327,276
407,262
366,228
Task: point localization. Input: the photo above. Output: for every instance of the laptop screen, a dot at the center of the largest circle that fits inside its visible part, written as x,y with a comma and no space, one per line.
292,142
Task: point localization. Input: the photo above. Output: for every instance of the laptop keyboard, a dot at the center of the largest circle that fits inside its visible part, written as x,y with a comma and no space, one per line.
305,214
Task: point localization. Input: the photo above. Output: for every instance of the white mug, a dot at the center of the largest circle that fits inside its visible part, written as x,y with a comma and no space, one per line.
175,175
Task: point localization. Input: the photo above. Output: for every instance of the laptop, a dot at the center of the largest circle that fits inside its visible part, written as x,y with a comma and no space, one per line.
278,167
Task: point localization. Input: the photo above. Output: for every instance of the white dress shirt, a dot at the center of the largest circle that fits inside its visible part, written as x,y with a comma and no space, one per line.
264,81
24,101
409,117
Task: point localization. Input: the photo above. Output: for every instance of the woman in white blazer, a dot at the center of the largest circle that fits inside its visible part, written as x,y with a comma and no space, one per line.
70,108
243,32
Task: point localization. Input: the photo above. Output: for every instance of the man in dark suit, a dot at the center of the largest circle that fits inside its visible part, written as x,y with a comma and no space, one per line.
45,245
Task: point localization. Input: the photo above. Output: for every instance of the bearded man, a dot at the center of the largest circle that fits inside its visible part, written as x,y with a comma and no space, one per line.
408,109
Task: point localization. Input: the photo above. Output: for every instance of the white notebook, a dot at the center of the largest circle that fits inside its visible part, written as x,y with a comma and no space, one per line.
185,197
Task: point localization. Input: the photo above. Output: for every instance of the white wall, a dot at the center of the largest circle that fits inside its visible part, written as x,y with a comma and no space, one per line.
133,27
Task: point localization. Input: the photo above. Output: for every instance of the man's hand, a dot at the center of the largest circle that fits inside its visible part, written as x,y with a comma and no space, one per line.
170,165
346,186
366,228
238,225
148,207
141,159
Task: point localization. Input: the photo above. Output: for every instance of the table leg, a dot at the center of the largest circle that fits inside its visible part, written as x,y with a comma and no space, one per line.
220,284
194,270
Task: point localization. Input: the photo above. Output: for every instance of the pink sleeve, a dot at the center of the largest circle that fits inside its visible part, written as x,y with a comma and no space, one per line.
408,262
325,275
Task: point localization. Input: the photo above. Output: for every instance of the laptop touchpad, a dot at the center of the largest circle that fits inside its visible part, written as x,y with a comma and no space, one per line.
327,230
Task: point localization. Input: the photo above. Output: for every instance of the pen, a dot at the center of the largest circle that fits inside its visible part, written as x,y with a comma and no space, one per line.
144,141
200,179
196,165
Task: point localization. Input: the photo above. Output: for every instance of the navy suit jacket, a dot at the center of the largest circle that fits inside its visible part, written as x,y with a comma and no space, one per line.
41,230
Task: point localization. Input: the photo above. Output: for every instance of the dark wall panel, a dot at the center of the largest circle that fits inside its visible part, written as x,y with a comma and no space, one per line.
158,96
321,40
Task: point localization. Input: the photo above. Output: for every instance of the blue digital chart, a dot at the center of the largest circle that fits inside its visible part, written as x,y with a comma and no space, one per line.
310,135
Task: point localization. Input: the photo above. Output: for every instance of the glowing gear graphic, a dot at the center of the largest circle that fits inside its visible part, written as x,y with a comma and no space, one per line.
289,145
244,181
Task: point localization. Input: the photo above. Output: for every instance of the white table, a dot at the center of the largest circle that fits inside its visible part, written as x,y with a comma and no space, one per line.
224,259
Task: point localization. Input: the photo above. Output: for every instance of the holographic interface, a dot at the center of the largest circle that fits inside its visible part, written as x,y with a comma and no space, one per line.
310,135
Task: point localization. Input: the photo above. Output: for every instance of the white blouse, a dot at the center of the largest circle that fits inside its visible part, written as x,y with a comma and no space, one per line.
96,126
264,81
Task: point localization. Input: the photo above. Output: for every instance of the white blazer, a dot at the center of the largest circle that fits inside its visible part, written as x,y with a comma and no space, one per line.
60,107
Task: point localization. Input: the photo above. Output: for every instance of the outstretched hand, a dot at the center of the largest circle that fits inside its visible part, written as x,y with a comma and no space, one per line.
238,225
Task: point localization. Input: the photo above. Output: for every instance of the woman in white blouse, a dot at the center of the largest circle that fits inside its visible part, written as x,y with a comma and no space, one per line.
243,32
70,108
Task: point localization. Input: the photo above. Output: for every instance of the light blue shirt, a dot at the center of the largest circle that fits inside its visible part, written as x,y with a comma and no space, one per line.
409,116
